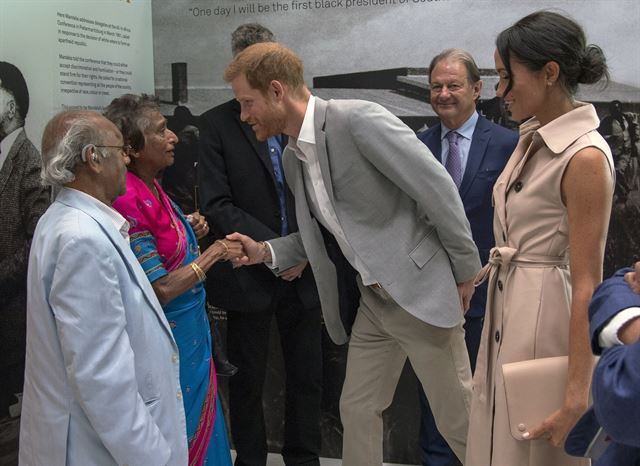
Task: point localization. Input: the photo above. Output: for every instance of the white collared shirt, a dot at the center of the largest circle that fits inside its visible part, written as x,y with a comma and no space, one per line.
609,335
118,220
320,205
464,141
7,143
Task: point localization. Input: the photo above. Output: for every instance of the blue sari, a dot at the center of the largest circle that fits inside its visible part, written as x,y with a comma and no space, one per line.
187,316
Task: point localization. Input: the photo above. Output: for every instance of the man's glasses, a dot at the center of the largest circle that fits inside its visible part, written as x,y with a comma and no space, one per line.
126,149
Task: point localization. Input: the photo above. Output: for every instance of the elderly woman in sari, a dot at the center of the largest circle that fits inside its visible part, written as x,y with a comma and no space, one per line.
165,243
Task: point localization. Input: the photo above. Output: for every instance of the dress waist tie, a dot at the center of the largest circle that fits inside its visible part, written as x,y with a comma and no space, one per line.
505,256
501,259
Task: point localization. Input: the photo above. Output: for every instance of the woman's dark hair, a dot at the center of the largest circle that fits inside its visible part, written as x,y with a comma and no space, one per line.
545,36
130,113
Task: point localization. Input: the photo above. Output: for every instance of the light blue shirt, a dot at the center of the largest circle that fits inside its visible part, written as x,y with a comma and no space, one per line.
464,140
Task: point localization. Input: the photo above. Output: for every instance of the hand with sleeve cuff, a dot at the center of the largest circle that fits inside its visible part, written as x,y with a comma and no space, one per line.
633,278
629,333
256,252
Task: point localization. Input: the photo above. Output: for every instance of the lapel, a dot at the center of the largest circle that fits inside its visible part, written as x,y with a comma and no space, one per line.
499,200
70,198
512,170
532,141
477,153
11,160
293,173
311,236
324,270
433,141
319,120
260,148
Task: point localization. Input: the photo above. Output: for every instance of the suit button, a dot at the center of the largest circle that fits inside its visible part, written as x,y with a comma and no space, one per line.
497,337
518,186
500,286
522,427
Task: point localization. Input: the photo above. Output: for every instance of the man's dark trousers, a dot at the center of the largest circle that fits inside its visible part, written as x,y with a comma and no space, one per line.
248,344
491,147
240,191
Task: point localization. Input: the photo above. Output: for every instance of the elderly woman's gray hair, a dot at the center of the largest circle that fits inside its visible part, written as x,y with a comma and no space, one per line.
63,139
130,113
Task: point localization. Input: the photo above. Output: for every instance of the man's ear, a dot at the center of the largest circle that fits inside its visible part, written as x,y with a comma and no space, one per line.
276,89
11,113
89,153
477,87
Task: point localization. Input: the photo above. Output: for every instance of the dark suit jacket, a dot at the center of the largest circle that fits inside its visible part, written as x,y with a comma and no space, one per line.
616,382
491,147
237,189
23,200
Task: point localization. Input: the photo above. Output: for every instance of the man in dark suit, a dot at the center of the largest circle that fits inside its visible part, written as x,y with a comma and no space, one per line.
242,188
23,199
474,151
614,315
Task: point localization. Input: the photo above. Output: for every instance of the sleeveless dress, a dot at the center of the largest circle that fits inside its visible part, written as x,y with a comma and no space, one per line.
529,294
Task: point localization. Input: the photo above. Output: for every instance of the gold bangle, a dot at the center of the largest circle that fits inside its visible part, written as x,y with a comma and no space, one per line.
226,248
198,271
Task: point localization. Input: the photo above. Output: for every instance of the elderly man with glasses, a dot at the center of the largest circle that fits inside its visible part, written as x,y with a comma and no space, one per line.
102,368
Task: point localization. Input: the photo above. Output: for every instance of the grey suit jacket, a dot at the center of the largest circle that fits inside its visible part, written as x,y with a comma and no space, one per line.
398,208
102,381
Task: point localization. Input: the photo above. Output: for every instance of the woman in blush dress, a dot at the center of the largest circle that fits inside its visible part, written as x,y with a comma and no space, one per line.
552,206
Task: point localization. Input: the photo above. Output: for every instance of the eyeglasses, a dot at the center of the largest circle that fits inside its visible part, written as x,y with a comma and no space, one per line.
126,149
451,87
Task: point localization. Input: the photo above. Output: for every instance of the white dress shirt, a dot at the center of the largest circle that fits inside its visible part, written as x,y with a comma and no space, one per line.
118,220
318,197
609,335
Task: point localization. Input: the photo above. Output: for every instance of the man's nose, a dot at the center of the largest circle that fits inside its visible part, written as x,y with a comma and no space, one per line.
173,137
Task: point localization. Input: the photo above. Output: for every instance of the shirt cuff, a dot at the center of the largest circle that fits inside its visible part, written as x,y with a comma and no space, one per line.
273,265
609,335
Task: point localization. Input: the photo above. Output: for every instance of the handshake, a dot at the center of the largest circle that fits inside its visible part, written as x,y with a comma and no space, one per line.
242,250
